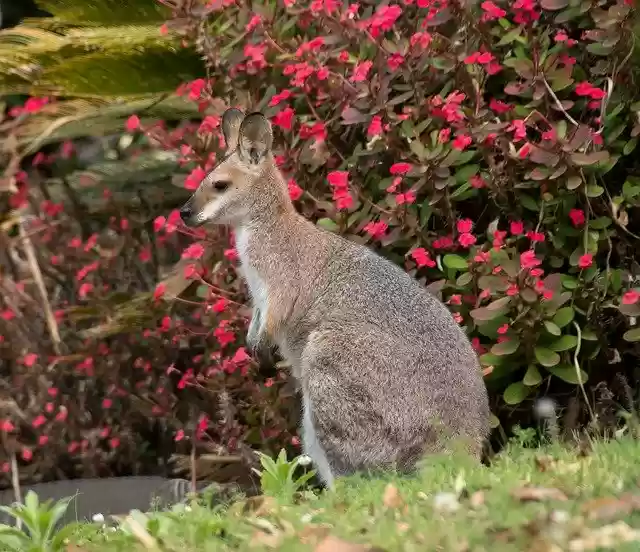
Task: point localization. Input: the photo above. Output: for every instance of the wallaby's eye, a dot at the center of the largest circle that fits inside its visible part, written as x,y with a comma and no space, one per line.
221,185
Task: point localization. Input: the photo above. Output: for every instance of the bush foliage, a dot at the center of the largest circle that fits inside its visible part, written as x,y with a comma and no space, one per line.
489,149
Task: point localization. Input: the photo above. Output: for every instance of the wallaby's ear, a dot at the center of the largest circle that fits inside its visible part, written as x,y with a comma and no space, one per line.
231,121
256,138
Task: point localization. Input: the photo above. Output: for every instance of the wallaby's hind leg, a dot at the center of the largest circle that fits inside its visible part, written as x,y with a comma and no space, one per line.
313,449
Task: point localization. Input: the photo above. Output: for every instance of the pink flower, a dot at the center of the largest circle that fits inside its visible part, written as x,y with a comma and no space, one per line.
499,106
375,127
466,239
376,230
284,119
422,258
276,99
400,168
158,293
133,123
461,141
477,182
361,70
630,297
194,251
528,259
195,177
394,61
517,227
295,191
577,217
491,11
585,261
503,329
338,178
587,89
464,225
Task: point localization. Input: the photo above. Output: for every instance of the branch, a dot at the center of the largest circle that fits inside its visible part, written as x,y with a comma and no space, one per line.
32,261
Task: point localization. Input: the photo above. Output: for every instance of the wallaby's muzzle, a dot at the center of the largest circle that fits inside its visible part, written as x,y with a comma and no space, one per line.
186,214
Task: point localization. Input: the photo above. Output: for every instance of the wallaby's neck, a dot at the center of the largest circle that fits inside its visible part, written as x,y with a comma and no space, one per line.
269,221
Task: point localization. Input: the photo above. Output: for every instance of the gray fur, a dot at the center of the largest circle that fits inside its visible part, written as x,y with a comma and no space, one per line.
386,374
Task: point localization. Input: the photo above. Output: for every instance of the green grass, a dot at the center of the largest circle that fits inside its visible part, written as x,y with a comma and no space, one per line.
454,504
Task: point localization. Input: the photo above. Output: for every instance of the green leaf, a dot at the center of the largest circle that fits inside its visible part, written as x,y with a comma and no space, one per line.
552,328
466,172
327,224
546,357
532,377
586,159
565,343
567,372
455,262
630,146
632,335
553,5
563,316
515,393
506,347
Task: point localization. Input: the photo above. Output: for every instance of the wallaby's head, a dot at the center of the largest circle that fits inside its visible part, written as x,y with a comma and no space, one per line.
230,190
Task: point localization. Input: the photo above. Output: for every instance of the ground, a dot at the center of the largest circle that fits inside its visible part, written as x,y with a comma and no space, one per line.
536,500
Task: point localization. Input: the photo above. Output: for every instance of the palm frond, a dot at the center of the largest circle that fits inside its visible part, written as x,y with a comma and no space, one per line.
153,70
124,60
105,12
76,118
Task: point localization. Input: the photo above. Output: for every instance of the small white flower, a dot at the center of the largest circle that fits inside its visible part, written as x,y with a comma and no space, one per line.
306,518
446,502
98,518
304,460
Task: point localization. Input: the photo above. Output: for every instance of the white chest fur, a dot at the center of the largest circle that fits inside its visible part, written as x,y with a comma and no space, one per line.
257,287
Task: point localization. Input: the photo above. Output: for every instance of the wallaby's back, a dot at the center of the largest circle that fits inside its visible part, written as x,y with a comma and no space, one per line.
389,352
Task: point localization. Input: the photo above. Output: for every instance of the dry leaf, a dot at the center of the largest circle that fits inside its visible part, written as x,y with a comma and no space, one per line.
609,536
270,540
334,544
392,498
477,499
610,508
313,532
527,494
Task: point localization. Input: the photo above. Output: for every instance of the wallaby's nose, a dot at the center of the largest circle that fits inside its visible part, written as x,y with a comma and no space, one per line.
185,213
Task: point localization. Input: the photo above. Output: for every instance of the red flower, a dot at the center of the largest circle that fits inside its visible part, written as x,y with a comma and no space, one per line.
133,123
464,225
422,258
159,291
194,251
375,127
477,182
338,179
528,259
517,227
376,230
585,261
466,239
499,106
577,217
284,119
295,191
461,141
400,168
361,70
491,11
630,297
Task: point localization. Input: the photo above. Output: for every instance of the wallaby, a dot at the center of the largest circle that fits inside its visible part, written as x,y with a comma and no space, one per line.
385,372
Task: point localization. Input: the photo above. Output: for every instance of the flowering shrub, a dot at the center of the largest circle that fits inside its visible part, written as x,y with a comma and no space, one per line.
488,149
